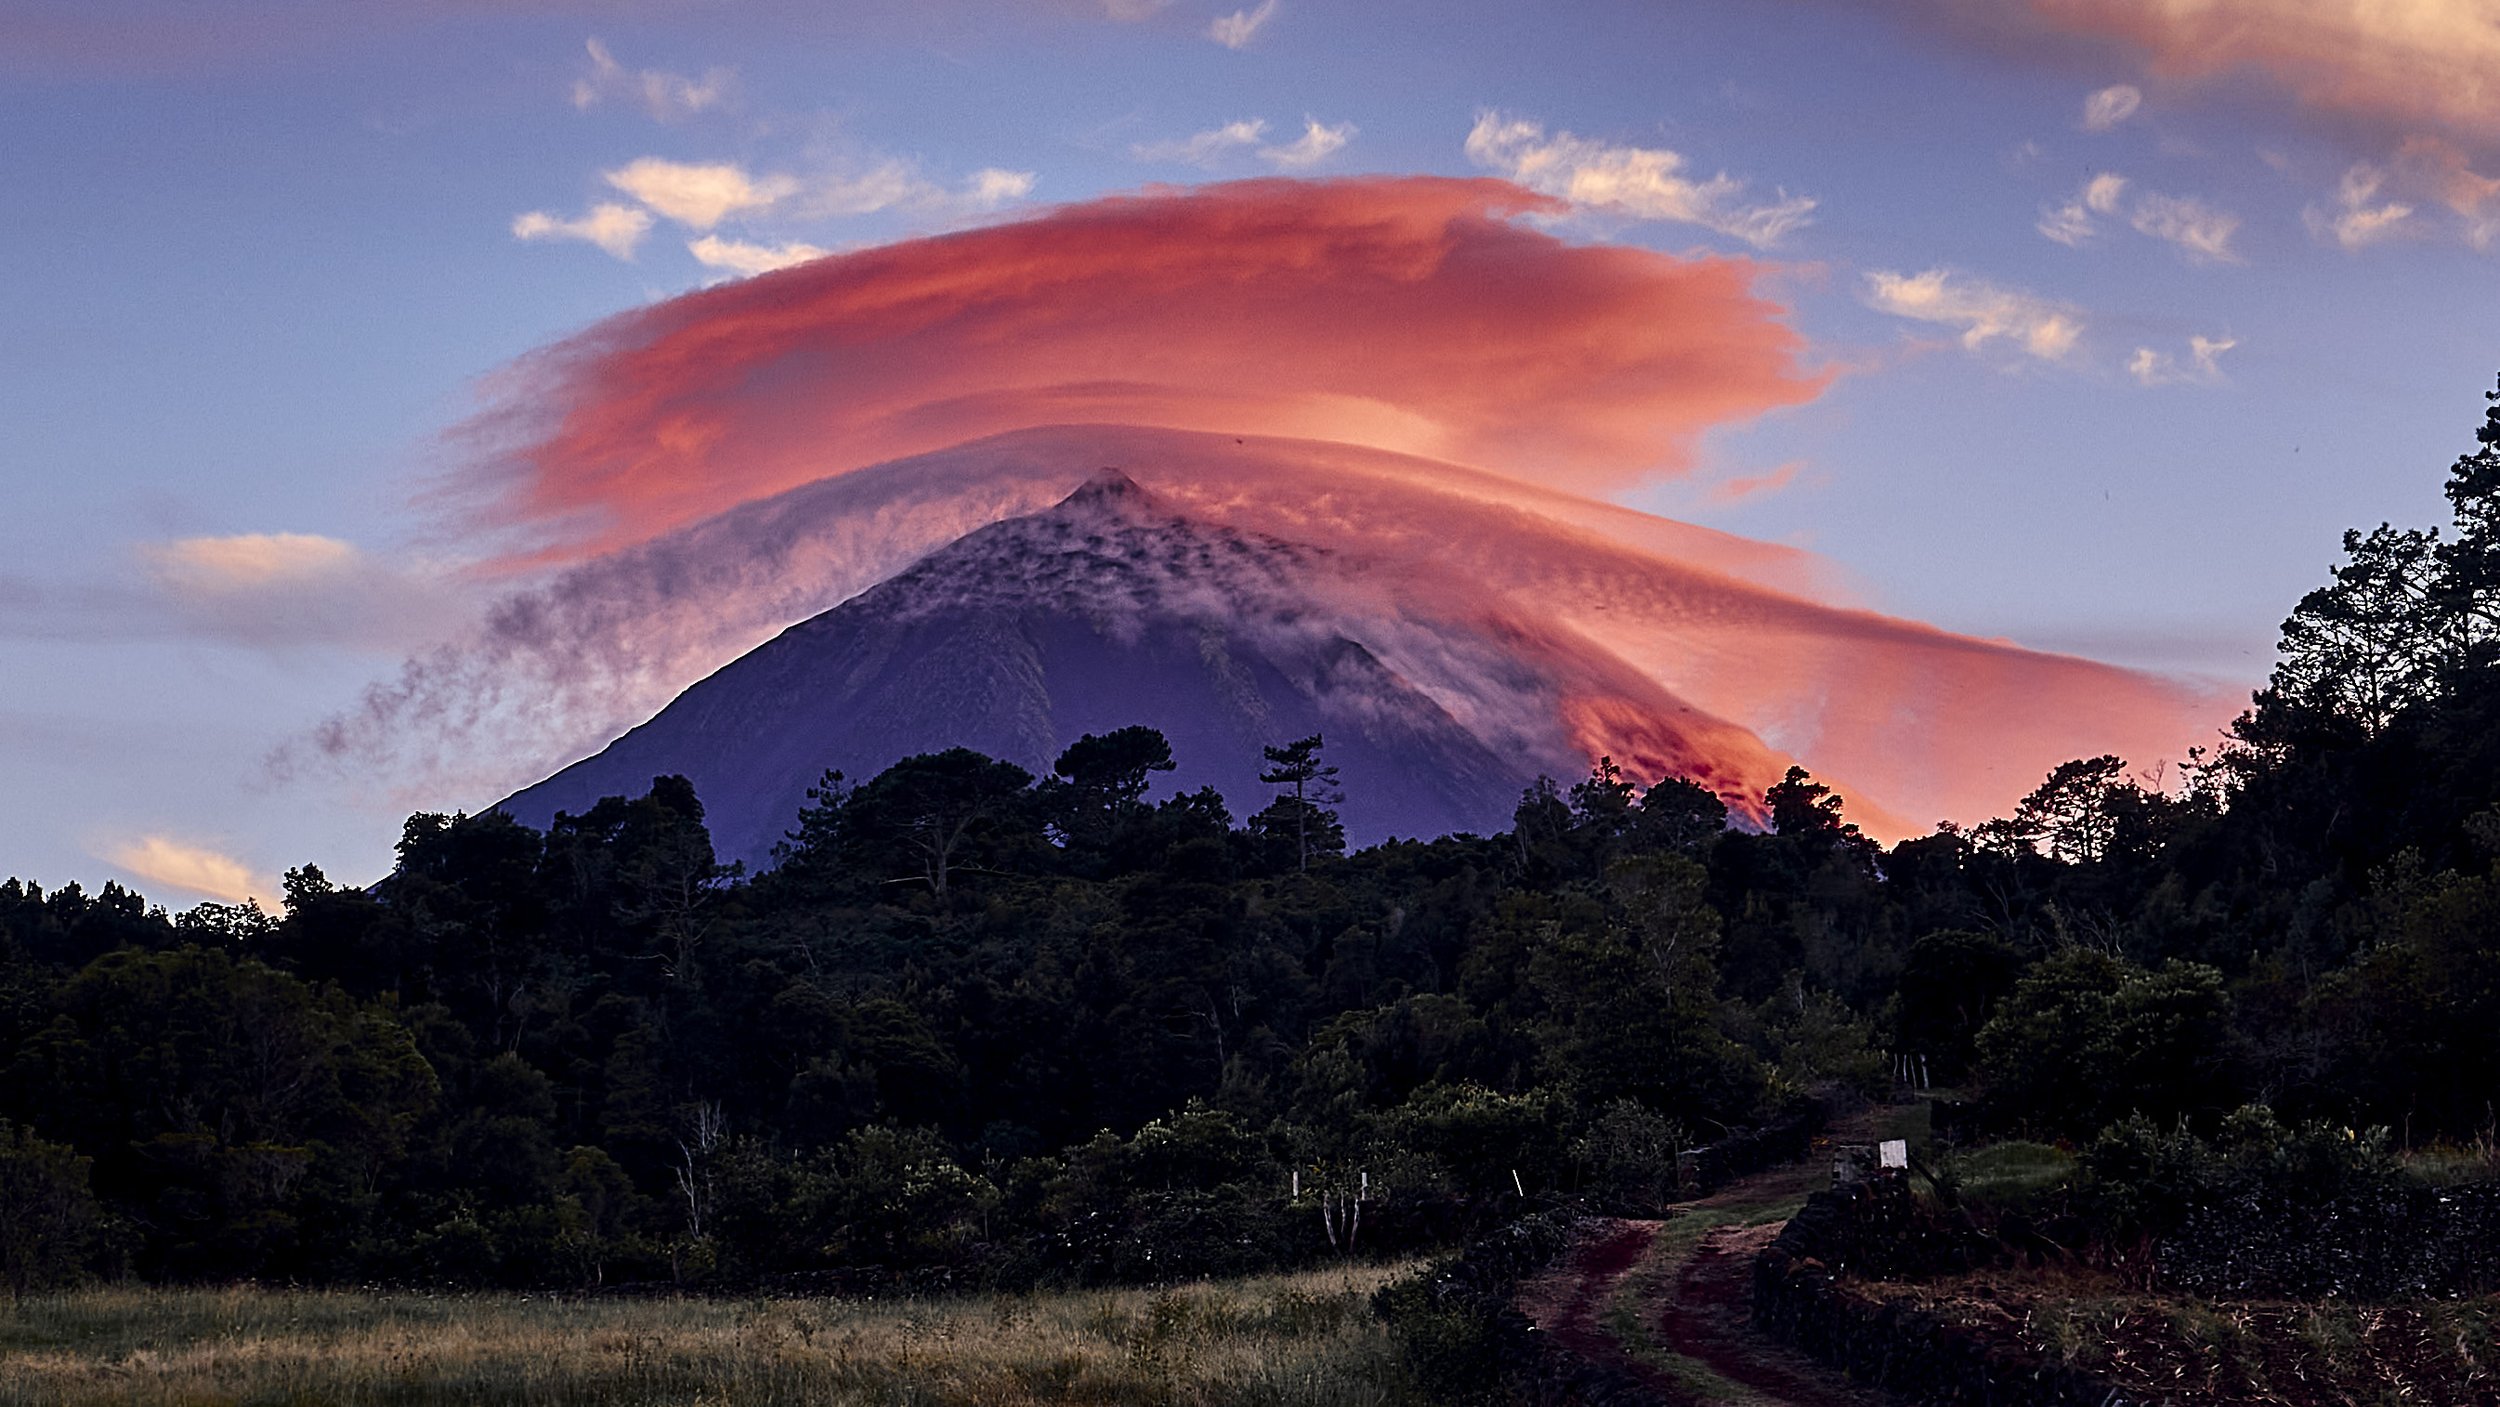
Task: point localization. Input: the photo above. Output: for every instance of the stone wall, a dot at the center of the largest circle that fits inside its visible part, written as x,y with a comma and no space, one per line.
1467,1343
1701,1171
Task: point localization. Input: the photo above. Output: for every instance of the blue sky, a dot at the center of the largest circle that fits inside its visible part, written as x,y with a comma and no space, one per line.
265,260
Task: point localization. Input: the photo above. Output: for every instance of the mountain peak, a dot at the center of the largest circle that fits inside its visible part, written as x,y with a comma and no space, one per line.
1106,487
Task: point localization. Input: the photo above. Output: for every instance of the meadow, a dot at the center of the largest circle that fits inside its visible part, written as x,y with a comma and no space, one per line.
1294,1339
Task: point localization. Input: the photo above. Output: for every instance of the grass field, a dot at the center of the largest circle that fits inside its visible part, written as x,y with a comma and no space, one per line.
1303,1339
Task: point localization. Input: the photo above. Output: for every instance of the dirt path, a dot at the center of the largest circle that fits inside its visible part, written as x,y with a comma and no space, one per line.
1570,1300
1670,1302
1709,1321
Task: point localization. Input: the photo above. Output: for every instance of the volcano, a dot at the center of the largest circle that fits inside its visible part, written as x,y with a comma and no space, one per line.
1113,607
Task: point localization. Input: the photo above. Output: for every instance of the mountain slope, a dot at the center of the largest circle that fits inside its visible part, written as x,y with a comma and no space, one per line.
1110,609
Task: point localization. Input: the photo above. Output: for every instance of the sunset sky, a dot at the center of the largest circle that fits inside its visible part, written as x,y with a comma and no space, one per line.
2084,324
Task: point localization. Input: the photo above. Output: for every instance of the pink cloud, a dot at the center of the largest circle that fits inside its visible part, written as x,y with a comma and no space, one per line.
2417,66
1395,371
1737,490
1413,315
1692,651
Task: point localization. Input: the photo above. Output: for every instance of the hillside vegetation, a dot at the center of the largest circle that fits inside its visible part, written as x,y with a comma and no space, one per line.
977,1028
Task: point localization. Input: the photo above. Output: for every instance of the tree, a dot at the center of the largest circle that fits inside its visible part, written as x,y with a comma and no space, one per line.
1806,816
1102,784
1680,814
2072,810
1802,807
1601,802
2469,587
47,1215
224,1100
1110,769
2086,1038
2408,617
645,866
1313,788
2362,649
937,814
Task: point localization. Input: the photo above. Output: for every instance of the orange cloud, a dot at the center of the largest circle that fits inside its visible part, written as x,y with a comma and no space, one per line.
250,560
194,869
2411,65
1415,315
1397,372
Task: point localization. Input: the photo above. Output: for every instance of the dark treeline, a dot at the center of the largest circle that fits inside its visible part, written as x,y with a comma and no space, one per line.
980,1025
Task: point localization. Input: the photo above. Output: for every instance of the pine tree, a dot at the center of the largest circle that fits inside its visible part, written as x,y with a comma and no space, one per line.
1314,788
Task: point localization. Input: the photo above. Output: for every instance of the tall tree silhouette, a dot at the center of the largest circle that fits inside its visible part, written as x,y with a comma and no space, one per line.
1312,787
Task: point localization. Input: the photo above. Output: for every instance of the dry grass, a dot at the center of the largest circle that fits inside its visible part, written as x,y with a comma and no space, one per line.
1304,1339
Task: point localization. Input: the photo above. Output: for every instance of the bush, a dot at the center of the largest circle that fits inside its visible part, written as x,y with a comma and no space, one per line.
1627,1159
2087,1039
2310,1211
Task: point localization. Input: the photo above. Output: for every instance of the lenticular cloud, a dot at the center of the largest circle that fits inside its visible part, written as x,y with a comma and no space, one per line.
1391,371
1415,315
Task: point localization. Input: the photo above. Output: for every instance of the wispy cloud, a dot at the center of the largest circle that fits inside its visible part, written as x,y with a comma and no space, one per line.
2195,227
614,228
2200,230
2444,173
1207,147
248,561
193,869
2068,224
1642,182
1214,146
1727,492
666,96
1236,30
882,185
2359,218
993,186
2204,364
1317,143
1983,312
699,196
2110,106
895,184
280,591
747,260
2071,224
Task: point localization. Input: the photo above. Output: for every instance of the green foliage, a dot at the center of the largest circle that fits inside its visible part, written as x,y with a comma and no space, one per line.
1298,823
1482,1142
975,1026
2086,1038
1626,1159
48,1218
1811,1039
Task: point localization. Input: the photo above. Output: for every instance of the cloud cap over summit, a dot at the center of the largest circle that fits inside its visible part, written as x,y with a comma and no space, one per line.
1415,314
